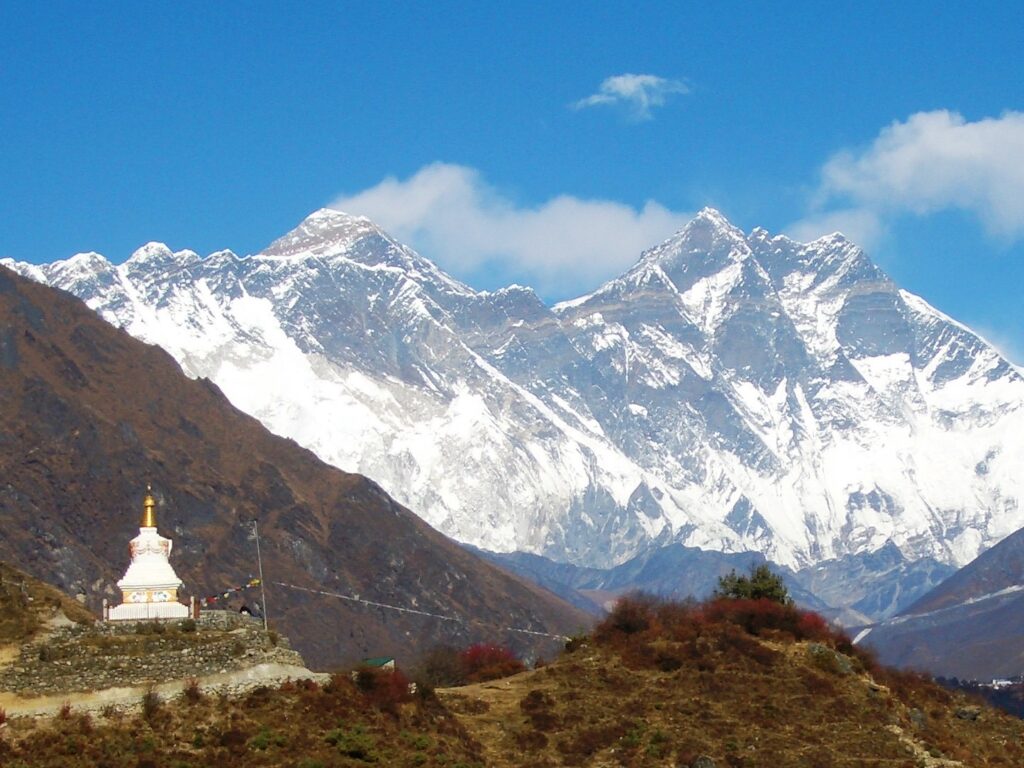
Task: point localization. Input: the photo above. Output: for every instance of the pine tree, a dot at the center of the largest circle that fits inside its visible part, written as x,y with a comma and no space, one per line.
761,584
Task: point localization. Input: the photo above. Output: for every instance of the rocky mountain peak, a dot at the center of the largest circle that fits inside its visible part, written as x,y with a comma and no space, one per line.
708,244
325,232
711,227
85,264
154,255
342,242
714,218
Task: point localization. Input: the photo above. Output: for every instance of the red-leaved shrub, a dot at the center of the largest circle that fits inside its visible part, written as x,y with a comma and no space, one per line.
759,616
384,688
638,620
631,614
754,616
811,626
485,661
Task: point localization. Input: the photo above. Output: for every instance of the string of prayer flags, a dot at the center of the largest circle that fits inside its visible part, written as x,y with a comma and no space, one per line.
229,592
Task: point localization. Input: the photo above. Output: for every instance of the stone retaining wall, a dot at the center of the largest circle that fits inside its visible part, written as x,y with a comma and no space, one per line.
227,620
119,654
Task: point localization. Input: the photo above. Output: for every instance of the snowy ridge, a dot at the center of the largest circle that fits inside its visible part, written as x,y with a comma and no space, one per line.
730,391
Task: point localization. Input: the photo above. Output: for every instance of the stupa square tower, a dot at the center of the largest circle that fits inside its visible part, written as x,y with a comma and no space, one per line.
150,586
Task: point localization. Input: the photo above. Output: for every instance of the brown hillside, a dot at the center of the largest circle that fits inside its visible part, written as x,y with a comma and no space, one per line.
994,569
301,725
740,686
90,416
27,605
736,685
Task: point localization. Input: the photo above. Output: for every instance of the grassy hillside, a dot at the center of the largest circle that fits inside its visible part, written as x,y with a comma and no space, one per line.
726,683
739,684
303,725
27,604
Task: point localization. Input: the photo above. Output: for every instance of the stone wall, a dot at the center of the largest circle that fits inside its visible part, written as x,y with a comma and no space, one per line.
118,654
227,620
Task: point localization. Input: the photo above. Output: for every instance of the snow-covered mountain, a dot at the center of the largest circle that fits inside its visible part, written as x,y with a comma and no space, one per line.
732,392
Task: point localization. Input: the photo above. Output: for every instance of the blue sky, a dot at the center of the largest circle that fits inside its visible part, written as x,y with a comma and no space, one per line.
537,143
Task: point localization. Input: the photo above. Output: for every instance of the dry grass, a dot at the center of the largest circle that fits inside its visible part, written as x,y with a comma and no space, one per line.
297,724
662,685
655,685
26,604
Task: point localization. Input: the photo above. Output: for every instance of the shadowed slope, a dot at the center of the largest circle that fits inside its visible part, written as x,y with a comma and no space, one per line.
90,416
970,626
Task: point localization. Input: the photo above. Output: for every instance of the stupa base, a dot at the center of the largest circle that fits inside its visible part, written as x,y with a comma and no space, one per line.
145,611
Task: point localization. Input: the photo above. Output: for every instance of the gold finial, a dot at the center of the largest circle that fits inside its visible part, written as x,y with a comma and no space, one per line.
149,508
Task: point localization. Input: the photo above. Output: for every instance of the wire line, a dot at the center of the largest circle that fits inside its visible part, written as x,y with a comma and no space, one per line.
402,609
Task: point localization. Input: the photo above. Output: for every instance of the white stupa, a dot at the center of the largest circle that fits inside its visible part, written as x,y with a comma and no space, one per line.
150,585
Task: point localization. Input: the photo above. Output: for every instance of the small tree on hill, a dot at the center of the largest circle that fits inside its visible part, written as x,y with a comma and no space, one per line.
761,584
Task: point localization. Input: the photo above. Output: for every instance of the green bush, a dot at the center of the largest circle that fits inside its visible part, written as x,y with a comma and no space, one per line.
440,667
354,743
267,738
761,584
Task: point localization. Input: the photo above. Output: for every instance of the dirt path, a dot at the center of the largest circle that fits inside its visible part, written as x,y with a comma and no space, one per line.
487,710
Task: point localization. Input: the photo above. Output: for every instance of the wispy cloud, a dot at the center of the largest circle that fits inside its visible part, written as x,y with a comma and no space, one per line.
450,213
638,94
862,226
930,162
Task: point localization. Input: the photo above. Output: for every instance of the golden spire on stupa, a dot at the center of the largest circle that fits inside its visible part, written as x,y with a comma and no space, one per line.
149,508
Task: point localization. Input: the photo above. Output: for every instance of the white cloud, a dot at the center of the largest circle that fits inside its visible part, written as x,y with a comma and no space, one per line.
859,225
932,161
449,213
638,93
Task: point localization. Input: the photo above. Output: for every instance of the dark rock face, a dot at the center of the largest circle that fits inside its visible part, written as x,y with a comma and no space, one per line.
90,416
879,584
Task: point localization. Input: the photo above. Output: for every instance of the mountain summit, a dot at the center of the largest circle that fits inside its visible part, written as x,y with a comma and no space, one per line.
729,391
